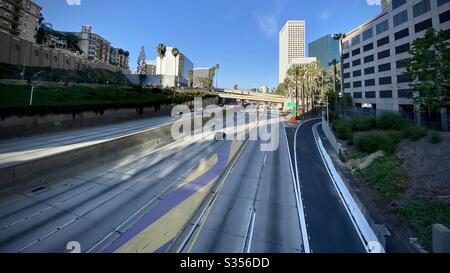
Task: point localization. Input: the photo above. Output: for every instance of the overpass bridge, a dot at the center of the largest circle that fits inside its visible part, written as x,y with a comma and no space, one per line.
255,97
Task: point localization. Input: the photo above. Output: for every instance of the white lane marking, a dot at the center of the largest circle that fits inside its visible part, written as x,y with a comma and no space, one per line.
249,237
298,195
371,234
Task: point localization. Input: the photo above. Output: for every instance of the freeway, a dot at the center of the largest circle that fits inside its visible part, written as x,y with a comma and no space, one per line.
256,209
14,151
329,226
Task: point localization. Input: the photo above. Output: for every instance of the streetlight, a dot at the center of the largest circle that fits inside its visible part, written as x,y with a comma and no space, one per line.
33,86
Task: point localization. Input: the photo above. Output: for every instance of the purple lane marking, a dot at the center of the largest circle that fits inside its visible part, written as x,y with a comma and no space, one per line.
174,198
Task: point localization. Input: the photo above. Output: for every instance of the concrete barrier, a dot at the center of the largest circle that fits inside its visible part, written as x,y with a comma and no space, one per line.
441,239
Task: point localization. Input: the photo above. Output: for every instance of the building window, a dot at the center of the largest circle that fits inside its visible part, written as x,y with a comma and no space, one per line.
356,62
346,56
384,54
404,93
369,59
345,45
444,17
385,80
346,85
423,25
386,94
36,53
400,18
55,59
441,2
383,41
369,70
357,84
370,94
356,52
402,78
368,47
421,7
46,56
355,40
382,27
370,82
402,63
346,65
397,3
402,48
367,34
356,73
401,34
347,75
384,67
357,95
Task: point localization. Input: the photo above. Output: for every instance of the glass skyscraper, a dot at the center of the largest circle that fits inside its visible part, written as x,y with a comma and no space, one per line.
325,50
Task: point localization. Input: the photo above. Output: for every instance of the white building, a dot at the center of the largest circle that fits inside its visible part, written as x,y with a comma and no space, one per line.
170,66
291,45
375,54
151,67
201,73
264,89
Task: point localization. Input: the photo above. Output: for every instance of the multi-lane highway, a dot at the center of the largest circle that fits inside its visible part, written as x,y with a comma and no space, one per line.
29,148
256,209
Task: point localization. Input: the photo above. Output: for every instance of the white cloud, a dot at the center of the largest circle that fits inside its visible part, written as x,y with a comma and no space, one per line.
73,2
268,25
374,2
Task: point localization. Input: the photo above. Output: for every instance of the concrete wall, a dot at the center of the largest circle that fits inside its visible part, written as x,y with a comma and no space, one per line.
15,126
17,51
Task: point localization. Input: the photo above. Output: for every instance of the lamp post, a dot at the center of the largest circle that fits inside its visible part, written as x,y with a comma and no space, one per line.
33,86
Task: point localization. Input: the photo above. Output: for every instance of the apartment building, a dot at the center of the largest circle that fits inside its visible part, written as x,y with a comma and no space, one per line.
170,66
119,57
151,67
20,18
291,45
376,53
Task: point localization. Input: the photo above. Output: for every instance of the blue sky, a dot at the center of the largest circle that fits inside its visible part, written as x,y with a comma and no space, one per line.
240,35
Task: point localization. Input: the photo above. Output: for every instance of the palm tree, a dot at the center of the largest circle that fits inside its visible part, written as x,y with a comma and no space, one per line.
161,50
212,74
43,30
341,37
297,73
191,77
287,84
175,53
334,63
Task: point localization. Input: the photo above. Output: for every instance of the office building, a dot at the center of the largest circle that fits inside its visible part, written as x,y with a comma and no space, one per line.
325,50
20,18
291,45
170,66
376,53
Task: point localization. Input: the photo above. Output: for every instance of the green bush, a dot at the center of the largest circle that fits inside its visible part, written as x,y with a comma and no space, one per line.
415,133
435,138
422,215
371,142
343,129
390,121
363,124
387,176
396,136
357,154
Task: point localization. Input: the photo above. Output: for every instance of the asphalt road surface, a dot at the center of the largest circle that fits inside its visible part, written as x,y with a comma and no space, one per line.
329,227
256,210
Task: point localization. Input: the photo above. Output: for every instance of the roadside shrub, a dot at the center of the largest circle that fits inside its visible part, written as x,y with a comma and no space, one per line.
435,138
343,129
387,176
422,214
415,133
371,142
357,154
390,121
395,136
363,124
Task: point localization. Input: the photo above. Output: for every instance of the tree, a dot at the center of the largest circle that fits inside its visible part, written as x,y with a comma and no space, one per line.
429,70
161,50
340,37
72,42
175,53
43,30
191,77
334,63
142,67
297,73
